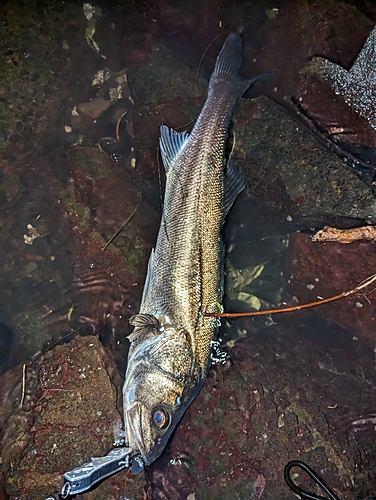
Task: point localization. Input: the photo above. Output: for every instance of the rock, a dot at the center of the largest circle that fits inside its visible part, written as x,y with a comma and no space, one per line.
286,393
94,108
316,181
69,414
357,86
336,268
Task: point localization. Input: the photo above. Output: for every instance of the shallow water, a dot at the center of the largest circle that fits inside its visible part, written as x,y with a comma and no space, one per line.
82,101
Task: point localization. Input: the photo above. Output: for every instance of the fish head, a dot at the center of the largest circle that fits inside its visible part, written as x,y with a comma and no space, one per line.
152,405
158,388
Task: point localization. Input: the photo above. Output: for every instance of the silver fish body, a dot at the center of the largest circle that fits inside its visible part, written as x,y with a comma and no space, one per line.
170,352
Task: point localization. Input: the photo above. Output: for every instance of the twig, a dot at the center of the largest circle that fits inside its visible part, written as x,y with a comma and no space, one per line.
117,130
120,228
23,385
361,285
254,404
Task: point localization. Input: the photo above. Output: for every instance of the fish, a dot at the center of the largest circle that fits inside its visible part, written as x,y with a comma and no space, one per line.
171,346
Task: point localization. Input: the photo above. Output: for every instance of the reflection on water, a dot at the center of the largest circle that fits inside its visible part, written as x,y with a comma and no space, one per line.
82,99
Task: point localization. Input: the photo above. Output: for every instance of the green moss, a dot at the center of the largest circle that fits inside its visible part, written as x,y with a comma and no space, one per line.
79,209
317,440
299,411
91,161
201,421
19,66
225,489
135,255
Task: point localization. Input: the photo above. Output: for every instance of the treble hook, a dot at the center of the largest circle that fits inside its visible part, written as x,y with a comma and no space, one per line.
316,478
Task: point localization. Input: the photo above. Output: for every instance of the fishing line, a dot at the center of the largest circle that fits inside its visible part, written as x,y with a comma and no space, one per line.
305,495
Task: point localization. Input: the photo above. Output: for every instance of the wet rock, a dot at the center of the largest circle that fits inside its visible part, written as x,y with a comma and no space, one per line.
302,30
6,343
310,86
94,108
336,88
356,86
316,181
285,393
179,102
41,71
339,125
106,117
61,422
334,268
37,294
103,204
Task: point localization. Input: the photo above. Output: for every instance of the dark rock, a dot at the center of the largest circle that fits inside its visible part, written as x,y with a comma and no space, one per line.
61,422
316,181
6,343
333,268
287,392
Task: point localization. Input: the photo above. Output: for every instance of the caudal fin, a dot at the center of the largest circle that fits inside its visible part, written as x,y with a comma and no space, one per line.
228,64
230,57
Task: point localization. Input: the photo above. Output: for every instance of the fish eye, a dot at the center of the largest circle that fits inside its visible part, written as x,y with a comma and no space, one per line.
160,418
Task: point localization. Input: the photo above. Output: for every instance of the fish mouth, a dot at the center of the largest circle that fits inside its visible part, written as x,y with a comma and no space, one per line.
139,437
134,418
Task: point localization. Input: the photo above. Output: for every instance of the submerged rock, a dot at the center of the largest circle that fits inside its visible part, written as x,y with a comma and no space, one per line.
316,181
285,393
332,267
94,108
67,415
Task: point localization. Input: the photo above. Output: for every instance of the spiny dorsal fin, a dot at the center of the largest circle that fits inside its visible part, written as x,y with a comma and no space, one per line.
171,142
145,326
234,184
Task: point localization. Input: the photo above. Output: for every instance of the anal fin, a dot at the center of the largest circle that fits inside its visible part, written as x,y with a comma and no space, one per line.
234,184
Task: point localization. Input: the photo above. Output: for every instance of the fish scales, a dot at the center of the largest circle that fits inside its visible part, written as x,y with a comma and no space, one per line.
170,351
186,270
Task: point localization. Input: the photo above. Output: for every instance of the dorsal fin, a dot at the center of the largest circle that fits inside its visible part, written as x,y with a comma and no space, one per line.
171,142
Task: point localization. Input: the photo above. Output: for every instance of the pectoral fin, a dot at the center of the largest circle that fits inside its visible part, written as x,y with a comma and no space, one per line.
145,327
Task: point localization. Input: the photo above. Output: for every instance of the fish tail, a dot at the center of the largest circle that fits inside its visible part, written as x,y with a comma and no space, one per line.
228,64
